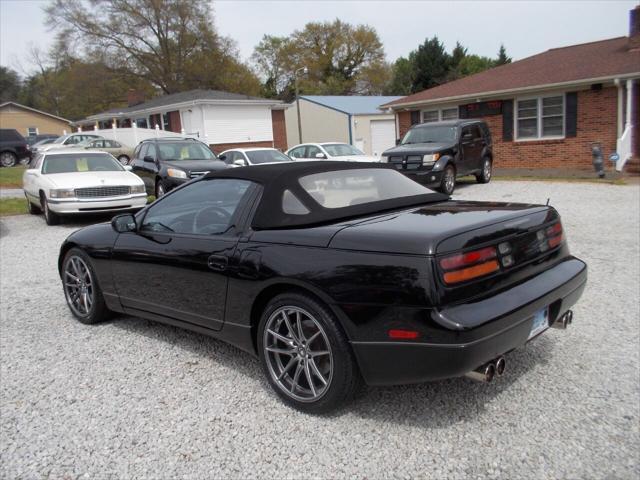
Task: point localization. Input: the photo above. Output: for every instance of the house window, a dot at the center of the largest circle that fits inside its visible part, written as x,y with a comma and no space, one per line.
32,131
439,115
541,117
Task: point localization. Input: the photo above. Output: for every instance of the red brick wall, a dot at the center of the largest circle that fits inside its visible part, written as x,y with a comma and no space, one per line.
279,130
596,122
174,121
221,147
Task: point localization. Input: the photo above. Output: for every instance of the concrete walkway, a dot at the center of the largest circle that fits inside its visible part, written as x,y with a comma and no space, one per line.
11,193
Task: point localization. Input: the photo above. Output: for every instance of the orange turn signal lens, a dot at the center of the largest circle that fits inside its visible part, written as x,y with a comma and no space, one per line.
471,272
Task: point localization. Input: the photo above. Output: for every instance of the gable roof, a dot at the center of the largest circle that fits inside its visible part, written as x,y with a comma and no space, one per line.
24,107
352,104
191,96
588,63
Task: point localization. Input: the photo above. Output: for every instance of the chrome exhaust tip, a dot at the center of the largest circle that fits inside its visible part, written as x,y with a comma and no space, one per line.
564,321
501,366
485,373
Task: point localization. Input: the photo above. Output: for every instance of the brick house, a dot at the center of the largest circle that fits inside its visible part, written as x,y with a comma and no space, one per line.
222,119
546,111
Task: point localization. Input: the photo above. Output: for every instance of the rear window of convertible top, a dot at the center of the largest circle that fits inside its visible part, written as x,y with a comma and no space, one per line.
344,188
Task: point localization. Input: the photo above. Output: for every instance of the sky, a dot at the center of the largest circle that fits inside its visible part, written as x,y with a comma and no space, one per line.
524,27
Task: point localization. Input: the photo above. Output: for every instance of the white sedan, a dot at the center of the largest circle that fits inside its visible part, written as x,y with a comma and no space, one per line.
244,157
67,181
329,151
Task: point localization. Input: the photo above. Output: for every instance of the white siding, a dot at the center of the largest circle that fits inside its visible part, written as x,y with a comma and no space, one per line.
236,123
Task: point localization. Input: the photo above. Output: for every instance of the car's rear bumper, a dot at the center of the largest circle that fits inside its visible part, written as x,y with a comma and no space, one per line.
478,332
76,206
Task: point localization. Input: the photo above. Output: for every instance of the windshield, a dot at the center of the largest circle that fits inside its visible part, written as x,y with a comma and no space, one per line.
80,162
266,156
341,150
430,134
184,151
60,139
344,188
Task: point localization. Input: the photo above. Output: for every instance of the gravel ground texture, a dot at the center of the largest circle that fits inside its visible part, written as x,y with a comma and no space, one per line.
137,399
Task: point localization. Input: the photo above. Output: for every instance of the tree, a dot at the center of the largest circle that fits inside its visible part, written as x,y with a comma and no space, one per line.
502,56
431,65
402,79
341,59
10,85
169,43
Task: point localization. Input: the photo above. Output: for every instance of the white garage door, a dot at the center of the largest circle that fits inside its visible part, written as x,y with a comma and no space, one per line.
383,135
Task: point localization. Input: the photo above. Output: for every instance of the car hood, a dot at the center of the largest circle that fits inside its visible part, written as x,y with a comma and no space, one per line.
196,165
430,228
419,148
93,179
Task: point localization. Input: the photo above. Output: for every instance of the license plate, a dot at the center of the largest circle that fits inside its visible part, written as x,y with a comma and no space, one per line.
540,322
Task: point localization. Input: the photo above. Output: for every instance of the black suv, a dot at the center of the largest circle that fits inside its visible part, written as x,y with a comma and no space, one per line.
165,163
13,148
435,153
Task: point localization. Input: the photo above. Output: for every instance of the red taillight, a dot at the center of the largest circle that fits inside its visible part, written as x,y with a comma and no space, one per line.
469,265
555,235
398,334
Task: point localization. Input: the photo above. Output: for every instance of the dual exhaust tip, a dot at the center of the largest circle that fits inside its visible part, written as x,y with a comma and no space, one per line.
489,370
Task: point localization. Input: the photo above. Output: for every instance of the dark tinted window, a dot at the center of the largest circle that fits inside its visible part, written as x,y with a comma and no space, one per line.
206,207
267,156
185,151
430,134
312,151
297,152
8,135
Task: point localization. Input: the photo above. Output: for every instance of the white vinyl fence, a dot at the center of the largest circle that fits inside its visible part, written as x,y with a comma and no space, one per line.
131,136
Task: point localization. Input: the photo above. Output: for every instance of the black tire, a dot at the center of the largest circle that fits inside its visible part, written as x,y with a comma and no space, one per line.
98,311
487,171
123,159
8,159
161,188
32,209
50,217
448,181
343,375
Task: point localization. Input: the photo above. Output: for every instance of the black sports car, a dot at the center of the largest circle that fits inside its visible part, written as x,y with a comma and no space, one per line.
332,272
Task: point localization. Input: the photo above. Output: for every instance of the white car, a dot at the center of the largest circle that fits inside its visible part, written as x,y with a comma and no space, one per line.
329,151
243,157
66,141
67,181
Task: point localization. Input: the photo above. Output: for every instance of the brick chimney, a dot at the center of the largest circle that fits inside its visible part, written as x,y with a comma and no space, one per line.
134,97
634,28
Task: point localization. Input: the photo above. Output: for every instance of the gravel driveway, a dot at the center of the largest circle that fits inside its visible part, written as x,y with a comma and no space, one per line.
131,398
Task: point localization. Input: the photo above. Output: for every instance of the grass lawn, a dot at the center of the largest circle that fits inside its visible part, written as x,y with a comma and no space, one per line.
11,177
12,206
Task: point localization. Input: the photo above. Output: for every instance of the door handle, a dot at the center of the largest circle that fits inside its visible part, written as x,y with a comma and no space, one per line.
218,263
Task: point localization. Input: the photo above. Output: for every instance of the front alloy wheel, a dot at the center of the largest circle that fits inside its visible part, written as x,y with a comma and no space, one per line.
448,182
81,289
7,159
298,354
160,189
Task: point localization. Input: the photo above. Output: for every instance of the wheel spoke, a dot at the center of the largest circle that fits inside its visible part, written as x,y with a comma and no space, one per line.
71,275
301,336
319,353
84,302
313,337
309,379
315,370
280,337
286,369
288,323
288,351
296,377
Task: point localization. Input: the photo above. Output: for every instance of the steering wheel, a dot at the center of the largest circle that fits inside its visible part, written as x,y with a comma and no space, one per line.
213,216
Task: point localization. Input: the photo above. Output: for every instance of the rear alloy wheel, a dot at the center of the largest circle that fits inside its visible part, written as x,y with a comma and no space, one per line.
123,159
81,288
8,159
305,355
487,170
448,182
160,189
52,218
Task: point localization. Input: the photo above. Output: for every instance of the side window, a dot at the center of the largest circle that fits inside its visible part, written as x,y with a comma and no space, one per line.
98,144
475,131
206,207
312,151
136,152
297,152
151,151
230,157
465,131
115,144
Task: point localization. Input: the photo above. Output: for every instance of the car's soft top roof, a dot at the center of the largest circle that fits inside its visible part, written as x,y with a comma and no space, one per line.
277,178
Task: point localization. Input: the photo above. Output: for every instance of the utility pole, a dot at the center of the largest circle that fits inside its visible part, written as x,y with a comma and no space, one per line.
304,71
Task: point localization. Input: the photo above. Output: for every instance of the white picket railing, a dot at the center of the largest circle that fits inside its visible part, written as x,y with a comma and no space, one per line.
623,147
133,135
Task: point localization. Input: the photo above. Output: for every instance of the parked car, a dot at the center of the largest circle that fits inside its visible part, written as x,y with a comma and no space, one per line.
33,139
66,141
242,157
164,164
67,182
329,151
373,276
436,153
117,149
13,148
39,143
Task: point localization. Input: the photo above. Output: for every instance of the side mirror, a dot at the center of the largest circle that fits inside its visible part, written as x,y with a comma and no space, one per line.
149,159
222,157
398,141
240,163
124,223
320,155
128,168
